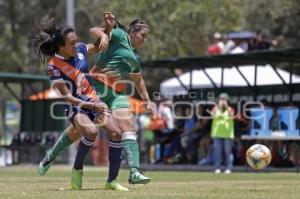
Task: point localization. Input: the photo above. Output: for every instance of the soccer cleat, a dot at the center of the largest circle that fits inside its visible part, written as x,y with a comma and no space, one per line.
228,171
45,165
138,178
76,180
115,185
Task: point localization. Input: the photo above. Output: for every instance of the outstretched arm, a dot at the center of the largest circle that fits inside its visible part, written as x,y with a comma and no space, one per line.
64,91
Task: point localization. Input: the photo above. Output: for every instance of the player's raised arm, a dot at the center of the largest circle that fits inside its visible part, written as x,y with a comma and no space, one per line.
101,43
93,48
102,34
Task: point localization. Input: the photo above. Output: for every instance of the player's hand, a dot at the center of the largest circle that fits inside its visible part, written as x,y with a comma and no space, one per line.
109,20
103,46
149,107
102,108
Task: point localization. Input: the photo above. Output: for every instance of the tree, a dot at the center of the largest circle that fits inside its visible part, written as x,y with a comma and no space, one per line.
17,19
178,28
275,18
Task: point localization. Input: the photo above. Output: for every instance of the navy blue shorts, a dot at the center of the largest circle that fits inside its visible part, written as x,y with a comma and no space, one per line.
91,113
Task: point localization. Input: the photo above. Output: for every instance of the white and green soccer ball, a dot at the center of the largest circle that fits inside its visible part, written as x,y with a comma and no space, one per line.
258,156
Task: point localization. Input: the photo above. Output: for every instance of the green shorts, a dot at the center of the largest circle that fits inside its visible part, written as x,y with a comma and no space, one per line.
113,99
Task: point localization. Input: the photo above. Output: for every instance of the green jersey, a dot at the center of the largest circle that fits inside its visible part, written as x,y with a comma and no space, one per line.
222,124
120,56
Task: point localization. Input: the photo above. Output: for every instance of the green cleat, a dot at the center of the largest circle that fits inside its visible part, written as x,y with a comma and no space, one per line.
76,180
138,178
115,185
44,165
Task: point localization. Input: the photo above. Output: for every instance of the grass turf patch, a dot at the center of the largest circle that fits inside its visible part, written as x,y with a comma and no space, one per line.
22,182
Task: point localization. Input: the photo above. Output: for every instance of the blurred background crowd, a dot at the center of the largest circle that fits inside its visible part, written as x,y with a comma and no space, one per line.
203,134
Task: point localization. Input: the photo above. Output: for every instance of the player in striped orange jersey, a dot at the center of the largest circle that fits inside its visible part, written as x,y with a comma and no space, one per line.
67,69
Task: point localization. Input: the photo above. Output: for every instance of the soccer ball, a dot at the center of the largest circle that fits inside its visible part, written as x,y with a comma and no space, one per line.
258,156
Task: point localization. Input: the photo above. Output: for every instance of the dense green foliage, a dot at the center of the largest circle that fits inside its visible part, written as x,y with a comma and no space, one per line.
178,27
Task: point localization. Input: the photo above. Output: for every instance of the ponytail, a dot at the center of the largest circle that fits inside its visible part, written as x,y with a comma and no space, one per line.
47,38
121,26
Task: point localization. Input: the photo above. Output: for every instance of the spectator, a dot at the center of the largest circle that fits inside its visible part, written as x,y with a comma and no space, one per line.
229,45
177,154
262,43
200,132
241,127
238,48
222,132
242,123
294,153
145,137
274,44
274,122
251,44
217,47
166,112
187,135
162,125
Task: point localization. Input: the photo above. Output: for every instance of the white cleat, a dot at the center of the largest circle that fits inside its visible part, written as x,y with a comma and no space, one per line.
228,171
217,171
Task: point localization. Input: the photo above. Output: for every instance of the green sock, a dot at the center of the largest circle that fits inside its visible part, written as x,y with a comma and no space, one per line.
62,142
132,153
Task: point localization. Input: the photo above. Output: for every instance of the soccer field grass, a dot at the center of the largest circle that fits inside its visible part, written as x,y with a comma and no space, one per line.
22,182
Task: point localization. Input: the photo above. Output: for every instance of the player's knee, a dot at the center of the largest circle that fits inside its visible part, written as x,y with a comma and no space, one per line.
115,134
115,137
91,132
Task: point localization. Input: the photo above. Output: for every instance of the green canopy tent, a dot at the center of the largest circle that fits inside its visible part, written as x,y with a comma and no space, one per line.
35,115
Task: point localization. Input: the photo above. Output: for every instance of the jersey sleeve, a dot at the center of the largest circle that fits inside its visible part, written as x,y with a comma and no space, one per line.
136,67
82,48
117,34
136,63
54,74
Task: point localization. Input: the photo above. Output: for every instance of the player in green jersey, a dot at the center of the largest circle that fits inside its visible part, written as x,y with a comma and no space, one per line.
121,62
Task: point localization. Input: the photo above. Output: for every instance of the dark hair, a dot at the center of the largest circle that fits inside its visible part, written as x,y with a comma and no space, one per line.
135,26
47,37
121,26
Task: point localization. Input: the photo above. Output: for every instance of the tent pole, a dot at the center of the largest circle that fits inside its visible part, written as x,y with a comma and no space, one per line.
5,134
178,79
291,82
11,92
277,73
191,79
210,79
222,77
243,76
33,90
44,101
255,82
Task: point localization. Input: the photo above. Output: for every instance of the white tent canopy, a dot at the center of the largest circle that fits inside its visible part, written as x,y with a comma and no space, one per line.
266,75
